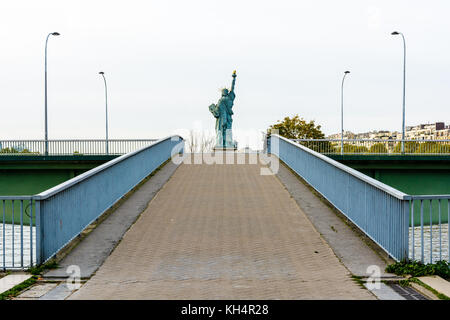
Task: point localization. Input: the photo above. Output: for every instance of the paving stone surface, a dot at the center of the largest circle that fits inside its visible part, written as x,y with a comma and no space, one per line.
222,232
37,291
60,292
356,255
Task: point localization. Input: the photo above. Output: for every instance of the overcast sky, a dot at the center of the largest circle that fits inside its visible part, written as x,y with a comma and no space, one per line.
166,61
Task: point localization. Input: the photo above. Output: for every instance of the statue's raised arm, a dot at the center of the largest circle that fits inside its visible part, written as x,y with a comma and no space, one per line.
234,81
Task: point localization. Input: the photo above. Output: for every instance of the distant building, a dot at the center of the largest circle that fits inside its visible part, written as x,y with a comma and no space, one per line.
347,135
443,134
434,131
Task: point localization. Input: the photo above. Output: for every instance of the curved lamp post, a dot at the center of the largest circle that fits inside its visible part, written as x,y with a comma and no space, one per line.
342,112
106,103
46,125
404,84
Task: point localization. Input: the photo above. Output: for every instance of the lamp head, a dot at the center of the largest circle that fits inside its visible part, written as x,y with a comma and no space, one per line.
55,34
347,72
395,33
101,72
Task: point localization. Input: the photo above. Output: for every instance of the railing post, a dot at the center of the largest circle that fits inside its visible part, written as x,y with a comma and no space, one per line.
413,241
39,234
406,206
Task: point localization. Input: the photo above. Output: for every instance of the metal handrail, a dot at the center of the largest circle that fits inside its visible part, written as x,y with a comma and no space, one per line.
67,184
374,140
71,146
72,140
429,197
384,187
61,213
397,222
16,197
378,146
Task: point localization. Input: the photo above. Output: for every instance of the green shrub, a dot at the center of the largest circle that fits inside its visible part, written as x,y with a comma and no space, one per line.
378,148
418,269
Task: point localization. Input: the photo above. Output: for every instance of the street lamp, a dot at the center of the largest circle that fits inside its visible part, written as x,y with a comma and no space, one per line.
106,103
342,112
46,125
404,84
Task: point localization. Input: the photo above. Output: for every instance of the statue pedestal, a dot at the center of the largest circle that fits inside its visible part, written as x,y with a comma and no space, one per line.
223,149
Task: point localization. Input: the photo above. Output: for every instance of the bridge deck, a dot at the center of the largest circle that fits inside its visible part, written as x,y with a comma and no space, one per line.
222,232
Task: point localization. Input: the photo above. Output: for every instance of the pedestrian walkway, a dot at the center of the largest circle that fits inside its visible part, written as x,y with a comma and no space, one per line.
222,232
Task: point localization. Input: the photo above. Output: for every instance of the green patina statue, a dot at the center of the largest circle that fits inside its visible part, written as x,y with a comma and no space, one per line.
223,111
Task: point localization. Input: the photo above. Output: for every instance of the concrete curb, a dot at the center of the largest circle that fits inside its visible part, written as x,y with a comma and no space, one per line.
437,283
11,280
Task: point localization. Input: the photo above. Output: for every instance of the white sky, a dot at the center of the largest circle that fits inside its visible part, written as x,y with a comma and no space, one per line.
165,62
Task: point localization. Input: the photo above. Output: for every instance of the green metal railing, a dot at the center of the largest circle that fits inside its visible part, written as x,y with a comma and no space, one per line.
377,146
73,147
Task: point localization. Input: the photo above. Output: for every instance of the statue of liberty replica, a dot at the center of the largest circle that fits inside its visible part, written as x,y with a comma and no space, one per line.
223,112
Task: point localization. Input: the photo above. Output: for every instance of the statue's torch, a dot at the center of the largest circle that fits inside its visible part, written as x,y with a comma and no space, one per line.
234,80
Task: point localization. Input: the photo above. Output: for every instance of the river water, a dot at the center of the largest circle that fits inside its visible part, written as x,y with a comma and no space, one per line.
17,247
437,254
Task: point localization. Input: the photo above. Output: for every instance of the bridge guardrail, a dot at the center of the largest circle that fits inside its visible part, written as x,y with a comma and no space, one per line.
377,209
380,211
73,147
429,238
61,213
377,146
17,240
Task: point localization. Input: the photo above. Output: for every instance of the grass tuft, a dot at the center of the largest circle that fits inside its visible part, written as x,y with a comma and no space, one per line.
13,292
418,269
437,294
38,270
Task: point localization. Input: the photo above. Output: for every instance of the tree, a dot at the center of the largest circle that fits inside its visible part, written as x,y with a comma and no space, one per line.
297,128
200,142
350,148
433,147
378,148
14,150
410,147
421,147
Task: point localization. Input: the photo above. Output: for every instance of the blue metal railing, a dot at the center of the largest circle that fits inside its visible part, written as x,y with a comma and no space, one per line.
429,238
380,211
383,213
17,232
61,213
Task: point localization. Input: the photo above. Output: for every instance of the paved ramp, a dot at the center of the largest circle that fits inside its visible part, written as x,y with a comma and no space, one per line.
222,232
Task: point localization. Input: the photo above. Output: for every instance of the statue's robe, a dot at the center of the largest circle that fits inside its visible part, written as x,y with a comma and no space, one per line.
229,104
222,111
